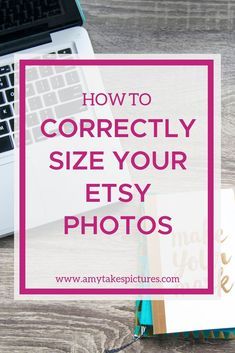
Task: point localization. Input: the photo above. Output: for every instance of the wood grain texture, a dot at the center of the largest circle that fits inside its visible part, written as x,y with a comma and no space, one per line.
145,26
77,327
126,26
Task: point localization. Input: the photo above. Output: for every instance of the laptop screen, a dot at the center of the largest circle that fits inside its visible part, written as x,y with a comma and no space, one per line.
20,18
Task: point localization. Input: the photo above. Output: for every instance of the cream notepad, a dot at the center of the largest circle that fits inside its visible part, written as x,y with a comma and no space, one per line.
175,315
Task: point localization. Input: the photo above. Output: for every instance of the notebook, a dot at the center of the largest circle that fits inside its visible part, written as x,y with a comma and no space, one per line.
203,317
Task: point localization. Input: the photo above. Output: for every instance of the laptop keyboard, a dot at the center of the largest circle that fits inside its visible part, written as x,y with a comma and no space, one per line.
50,91
14,13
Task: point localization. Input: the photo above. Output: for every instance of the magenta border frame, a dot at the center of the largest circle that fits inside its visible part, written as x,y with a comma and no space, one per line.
23,290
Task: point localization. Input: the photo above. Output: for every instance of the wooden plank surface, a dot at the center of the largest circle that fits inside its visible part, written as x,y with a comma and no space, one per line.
126,26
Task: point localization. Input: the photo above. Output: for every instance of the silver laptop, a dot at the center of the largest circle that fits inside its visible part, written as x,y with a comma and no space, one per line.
35,26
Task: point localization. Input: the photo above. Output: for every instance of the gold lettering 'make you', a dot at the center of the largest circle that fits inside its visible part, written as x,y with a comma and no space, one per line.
225,283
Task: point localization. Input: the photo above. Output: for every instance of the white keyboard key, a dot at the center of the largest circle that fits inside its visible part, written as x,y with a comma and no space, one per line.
63,68
70,108
50,99
29,90
37,134
42,86
32,74
70,93
32,119
35,103
45,71
72,77
46,113
57,82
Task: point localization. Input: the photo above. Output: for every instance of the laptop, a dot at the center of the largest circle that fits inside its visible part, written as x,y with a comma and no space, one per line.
34,26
